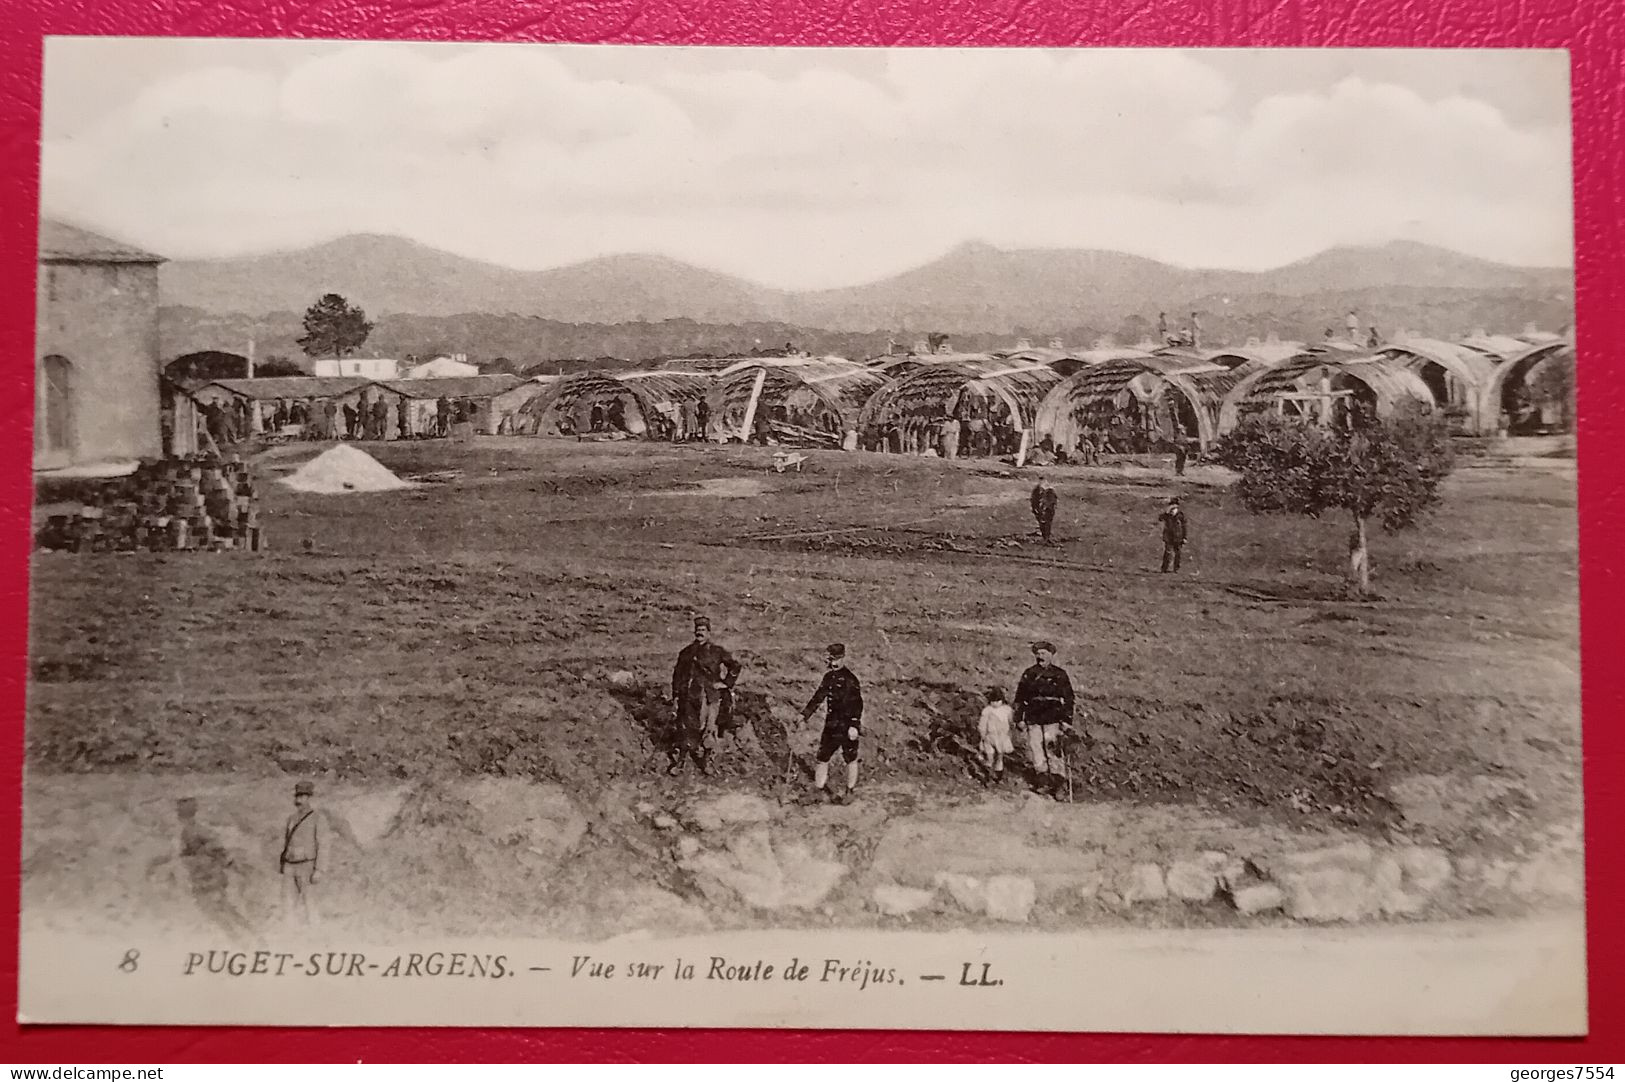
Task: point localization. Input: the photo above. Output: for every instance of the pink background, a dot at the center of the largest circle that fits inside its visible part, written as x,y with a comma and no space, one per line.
1593,30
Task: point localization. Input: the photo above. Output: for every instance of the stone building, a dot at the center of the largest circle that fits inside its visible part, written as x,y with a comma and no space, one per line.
96,367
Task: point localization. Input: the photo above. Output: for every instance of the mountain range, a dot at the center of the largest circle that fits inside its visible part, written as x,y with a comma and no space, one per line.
975,288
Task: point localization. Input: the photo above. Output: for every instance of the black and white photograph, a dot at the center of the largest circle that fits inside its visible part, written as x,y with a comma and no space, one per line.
987,539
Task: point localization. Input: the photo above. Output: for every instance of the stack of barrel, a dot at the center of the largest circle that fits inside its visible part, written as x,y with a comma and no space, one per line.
193,504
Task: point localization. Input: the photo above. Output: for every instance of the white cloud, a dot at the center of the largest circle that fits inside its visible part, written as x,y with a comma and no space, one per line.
804,175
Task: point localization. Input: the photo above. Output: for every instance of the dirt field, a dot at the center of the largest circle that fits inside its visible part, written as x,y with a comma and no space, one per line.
469,627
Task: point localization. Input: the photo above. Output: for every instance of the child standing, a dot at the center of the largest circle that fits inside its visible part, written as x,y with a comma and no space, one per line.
994,728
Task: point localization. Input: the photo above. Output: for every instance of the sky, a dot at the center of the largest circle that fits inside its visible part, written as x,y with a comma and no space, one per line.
807,168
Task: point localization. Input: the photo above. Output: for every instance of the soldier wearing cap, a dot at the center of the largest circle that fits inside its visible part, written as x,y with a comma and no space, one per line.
300,863
1043,501
842,697
704,675
1174,530
1044,703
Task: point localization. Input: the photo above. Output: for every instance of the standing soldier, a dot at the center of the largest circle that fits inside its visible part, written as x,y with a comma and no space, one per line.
442,416
842,697
403,428
1043,502
702,420
1182,450
1043,705
1173,533
300,864
703,677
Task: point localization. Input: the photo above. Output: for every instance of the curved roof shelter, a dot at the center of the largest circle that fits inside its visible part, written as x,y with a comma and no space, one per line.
642,394
935,389
1497,347
1310,385
701,364
1256,355
1157,394
1457,375
1518,370
825,393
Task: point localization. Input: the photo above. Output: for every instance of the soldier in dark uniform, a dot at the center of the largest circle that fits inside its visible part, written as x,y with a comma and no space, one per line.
1044,704
702,420
702,679
842,697
1173,534
1043,501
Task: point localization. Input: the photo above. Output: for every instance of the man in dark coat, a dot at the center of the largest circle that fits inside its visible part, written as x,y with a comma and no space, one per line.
1182,451
1044,703
701,684
380,418
702,420
1043,502
1173,533
442,416
842,698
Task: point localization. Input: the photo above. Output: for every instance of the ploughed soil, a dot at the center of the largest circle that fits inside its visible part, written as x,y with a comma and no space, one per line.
516,614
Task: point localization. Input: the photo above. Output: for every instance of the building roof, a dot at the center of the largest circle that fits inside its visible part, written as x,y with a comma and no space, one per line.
453,386
931,390
63,243
842,385
273,387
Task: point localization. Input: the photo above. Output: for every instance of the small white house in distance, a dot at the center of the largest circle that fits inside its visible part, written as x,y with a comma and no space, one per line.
443,367
365,367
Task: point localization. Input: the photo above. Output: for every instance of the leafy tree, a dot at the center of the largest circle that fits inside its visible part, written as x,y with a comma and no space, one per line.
278,365
1388,469
334,328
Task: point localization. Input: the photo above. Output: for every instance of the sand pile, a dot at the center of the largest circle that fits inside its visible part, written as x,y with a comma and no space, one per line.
343,469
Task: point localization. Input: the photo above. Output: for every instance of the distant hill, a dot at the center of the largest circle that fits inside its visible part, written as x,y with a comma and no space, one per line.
388,275
976,289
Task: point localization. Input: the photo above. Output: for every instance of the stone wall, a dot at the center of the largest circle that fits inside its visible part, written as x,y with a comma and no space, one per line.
102,318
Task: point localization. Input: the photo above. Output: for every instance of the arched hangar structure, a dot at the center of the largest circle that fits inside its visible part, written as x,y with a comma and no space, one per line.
1136,404
994,400
821,394
1458,377
1511,391
567,404
1324,389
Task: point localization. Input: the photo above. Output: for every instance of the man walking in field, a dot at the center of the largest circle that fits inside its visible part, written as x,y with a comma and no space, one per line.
842,697
300,864
702,679
1173,534
1043,502
1044,703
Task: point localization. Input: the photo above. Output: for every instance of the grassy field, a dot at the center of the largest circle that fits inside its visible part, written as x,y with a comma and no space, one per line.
470,627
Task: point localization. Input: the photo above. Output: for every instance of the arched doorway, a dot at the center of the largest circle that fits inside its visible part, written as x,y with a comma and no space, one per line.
54,426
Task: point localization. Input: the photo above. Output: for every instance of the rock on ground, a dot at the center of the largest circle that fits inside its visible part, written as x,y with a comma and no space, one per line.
1326,894
896,901
1426,869
966,891
370,815
1144,884
538,818
729,809
762,874
1010,898
1258,898
1191,881
913,850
